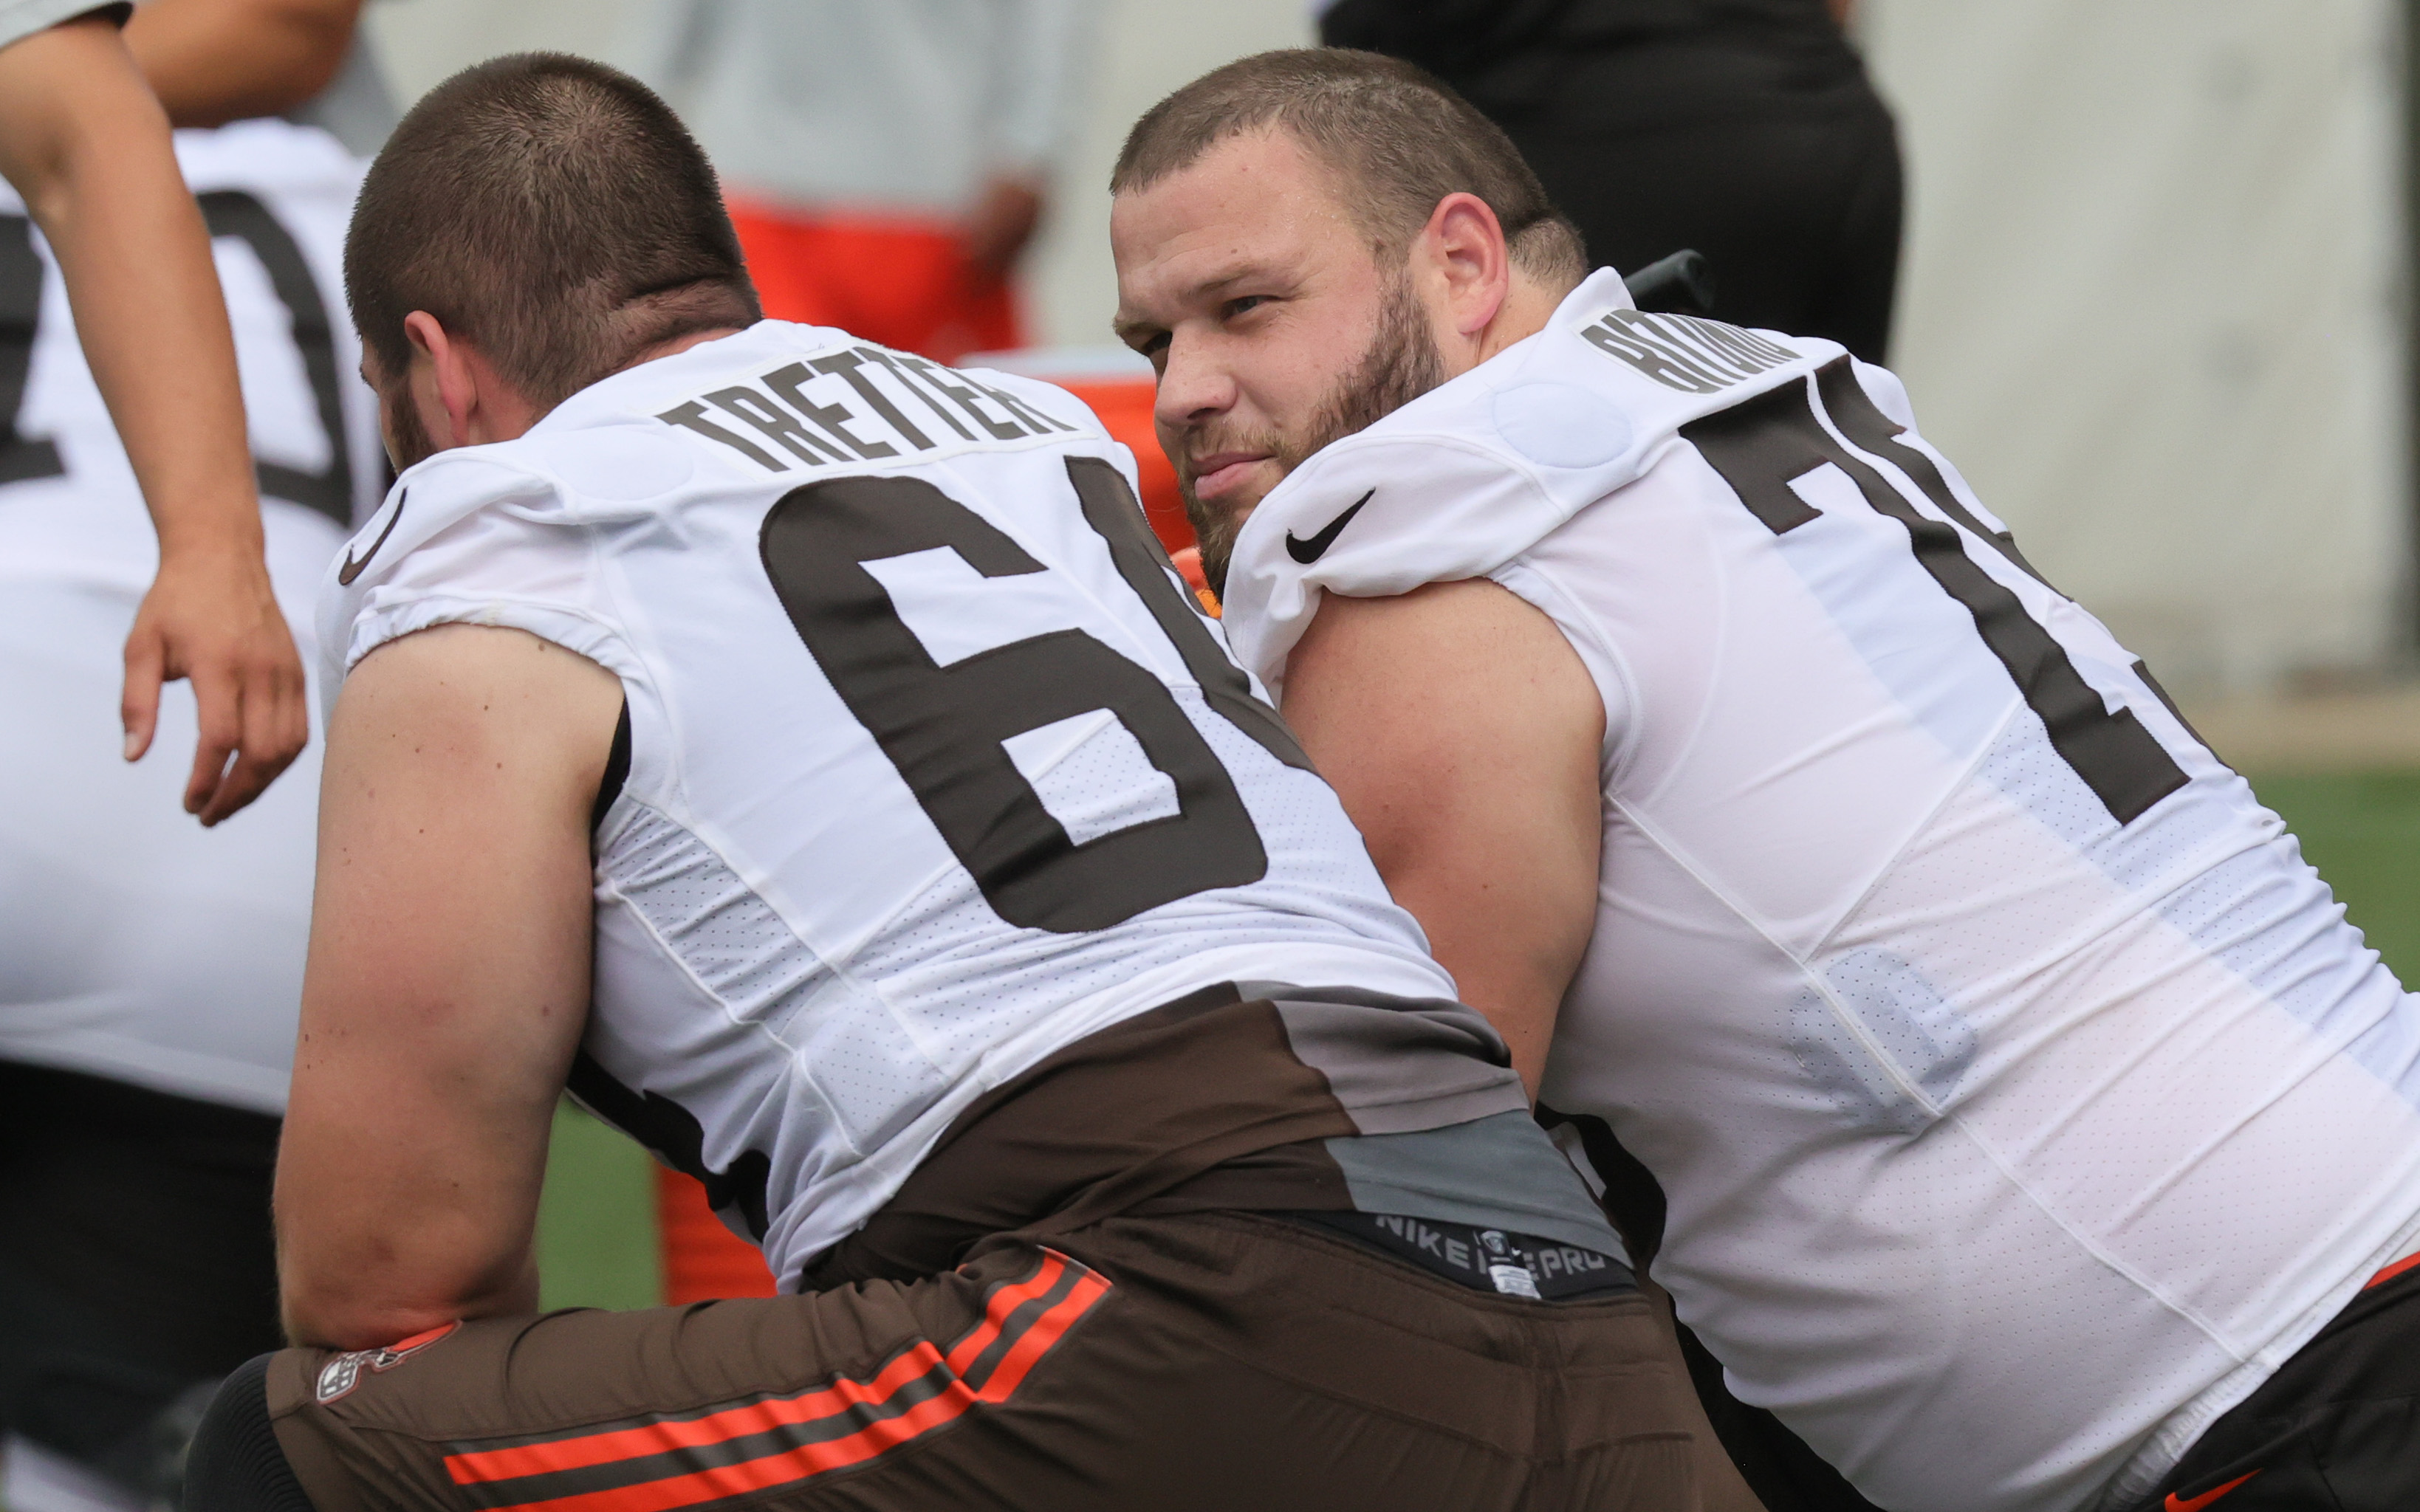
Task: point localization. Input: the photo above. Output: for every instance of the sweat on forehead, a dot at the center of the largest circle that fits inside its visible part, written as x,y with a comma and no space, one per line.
1398,139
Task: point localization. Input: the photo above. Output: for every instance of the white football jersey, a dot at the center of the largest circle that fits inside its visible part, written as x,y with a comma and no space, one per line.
276,199
134,943
934,767
2019,1097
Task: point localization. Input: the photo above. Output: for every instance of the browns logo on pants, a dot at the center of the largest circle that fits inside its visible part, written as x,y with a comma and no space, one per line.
1203,1361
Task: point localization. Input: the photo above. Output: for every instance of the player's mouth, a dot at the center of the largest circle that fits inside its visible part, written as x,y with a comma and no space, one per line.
1222,473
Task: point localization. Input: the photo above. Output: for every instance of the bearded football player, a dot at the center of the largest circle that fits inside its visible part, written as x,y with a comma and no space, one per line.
2012,1116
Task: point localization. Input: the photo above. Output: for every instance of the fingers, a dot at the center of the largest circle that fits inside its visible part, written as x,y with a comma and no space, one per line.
219,624
138,706
276,724
218,708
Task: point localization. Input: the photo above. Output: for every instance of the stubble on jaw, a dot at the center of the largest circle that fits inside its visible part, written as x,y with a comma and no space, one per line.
1401,364
405,439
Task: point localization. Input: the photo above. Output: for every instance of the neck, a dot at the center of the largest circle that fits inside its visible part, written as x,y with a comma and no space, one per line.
1527,306
679,345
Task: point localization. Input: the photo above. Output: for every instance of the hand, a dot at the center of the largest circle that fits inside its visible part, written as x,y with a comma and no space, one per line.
211,617
86,143
1003,223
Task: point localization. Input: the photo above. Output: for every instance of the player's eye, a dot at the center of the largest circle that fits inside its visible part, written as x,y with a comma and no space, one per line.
1244,305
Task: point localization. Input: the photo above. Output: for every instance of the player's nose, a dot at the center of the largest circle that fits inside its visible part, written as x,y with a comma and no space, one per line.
1193,385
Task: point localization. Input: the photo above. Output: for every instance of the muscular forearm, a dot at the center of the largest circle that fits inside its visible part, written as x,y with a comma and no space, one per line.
290,51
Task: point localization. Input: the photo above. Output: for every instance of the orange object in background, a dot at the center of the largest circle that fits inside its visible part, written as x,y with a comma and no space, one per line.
895,281
702,1260
1120,387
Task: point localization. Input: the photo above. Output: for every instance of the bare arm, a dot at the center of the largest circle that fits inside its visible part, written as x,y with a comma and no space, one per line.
215,61
447,984
1463,733
84,143
1004,222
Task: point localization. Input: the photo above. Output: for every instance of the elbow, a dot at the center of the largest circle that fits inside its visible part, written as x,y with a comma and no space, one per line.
316,36
368,1299
315,51
345,1318
82,158
365,1300
292,50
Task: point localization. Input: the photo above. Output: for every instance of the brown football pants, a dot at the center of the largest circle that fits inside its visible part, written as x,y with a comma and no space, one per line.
1213,1361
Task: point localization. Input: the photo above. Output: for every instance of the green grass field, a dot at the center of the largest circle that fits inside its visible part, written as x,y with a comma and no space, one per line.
597,1226
597,1222
2362,832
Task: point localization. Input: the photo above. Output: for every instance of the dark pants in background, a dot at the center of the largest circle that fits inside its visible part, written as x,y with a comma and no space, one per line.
1743,128
137,1265
1797,205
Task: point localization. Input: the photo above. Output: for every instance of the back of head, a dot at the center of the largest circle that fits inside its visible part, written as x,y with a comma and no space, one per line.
1397,139
552,211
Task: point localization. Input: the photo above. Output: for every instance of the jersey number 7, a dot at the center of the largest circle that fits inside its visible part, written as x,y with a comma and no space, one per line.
1760,445
943,727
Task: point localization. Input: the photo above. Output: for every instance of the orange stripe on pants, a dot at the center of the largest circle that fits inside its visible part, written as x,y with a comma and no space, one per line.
948,1388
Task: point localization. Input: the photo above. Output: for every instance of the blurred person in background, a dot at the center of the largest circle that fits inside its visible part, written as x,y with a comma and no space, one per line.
150,971
1743,128
886,165
84,143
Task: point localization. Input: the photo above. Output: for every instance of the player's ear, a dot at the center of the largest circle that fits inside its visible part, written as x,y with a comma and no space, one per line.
444,383
1464,248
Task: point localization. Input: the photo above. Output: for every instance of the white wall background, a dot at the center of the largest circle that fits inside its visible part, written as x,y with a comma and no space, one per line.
2151,303
2153,307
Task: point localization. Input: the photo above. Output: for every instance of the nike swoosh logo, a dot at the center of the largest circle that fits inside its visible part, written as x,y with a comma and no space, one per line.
2177,1504
351,569
1311,551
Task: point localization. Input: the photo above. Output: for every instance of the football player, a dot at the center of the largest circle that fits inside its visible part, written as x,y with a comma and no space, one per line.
86,144
804,754
2023,1127
150,971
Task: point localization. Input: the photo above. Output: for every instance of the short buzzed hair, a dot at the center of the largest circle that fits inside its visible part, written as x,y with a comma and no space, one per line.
1396,135
553,211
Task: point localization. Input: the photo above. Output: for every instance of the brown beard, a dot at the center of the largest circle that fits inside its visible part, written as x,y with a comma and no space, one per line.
1401,364
412,442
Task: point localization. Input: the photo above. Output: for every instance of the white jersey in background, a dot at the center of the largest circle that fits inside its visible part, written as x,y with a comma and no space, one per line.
21,19
934,767
2021,1097
134,944
276,199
